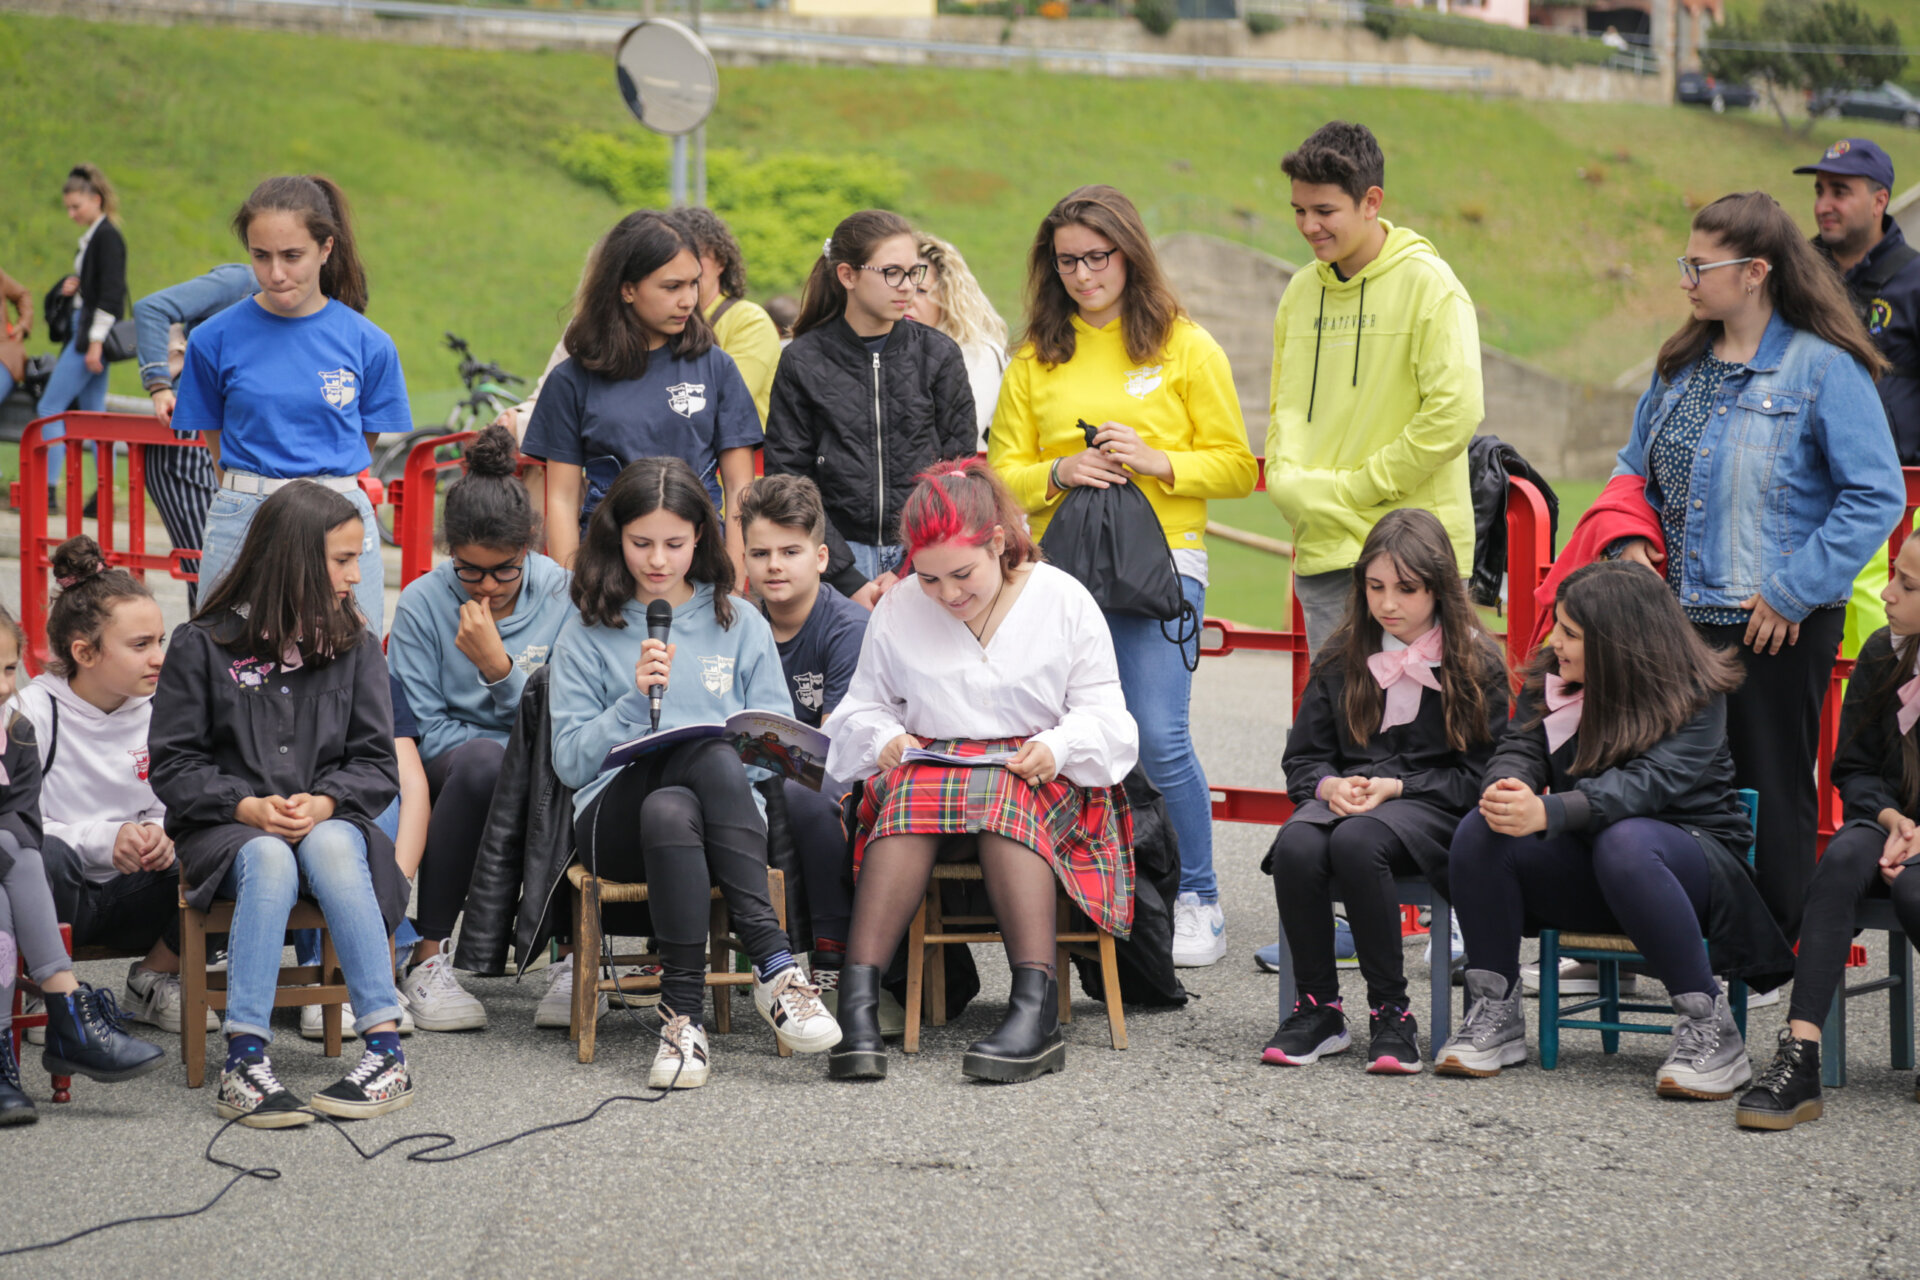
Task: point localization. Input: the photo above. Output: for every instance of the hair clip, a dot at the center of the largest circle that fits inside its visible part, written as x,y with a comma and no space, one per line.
826,247
65,584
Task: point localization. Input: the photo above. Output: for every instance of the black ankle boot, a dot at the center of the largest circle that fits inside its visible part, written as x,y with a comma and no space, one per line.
1028,1043
85,1037
15,1106
1788,1091
861,1053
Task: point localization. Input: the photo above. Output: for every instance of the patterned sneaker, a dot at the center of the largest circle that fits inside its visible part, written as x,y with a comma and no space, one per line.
1311,1032
1709,1059
1394,1046
438,1002
155,999
1493,1035
379,1084
251,1094
791,1005
681,1061
556,1007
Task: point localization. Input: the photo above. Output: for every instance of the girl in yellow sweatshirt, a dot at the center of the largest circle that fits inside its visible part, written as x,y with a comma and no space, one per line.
1106,341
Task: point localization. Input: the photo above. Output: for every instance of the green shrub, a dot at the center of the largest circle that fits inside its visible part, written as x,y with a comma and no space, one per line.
781,207
1261,24
1157,16
1471,33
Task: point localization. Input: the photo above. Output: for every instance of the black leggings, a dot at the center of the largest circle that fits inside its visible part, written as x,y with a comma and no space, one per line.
681,821
826,863
1355,860
460,784
1847,872
1641,877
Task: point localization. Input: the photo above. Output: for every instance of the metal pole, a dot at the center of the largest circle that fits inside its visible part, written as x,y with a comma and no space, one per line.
700,165
678,179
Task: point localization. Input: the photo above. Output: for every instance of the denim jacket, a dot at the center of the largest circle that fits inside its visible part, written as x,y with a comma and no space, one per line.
1795,485
185,304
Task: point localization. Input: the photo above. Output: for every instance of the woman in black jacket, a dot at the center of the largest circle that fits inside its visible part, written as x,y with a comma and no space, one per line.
98,287
1610,808
1877,772
863,403
272,749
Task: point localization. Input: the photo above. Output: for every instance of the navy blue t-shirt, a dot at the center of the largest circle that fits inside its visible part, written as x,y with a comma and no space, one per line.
820,659
690,409
404,725
292,397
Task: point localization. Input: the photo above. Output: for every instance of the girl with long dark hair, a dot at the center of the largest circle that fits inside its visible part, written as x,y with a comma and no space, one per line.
643,378
1610,808
1767,459
1107,342
686,818
296,384
1385,757
98,287
862,404
272,748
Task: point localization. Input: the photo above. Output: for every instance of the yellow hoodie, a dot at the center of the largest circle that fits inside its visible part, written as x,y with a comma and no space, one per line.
1181,402
1376,394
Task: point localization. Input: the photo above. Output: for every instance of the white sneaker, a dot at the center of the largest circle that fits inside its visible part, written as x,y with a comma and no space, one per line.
556,1007
155,999
791,1005
438,1001
1457,944
32,1006
311,1027
681,1061
1199,932
1755,999
1576,979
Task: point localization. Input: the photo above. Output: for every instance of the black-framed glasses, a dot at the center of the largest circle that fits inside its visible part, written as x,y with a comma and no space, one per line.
1066,263
1690,270
897,276
500,573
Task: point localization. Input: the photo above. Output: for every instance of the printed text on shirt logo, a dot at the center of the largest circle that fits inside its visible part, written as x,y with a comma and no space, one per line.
1143,381
716,673
687,398
338,387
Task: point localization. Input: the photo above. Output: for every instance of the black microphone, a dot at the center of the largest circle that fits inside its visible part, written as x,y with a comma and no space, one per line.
659,623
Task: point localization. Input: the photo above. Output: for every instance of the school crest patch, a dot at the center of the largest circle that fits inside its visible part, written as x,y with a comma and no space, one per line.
141,761
532,656
1879,316
1143,381
716,673
687,398
338,387
810,689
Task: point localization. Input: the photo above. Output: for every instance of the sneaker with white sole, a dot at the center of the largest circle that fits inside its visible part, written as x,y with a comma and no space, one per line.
638,999
1456,944
378,1083
1577,978
437,1000
250,1093
155,999
791,1005
1199,932
556,1007
1393,1048
1492,1036
311,1028
681,1062
1709,1059
1311,1032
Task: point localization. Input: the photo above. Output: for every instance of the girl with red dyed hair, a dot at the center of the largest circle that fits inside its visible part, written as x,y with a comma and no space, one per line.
1001,668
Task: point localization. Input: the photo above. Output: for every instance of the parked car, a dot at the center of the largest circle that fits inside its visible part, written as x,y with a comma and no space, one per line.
1888,102
1700,89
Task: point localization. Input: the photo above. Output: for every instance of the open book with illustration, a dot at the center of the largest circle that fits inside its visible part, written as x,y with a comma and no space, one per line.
767,739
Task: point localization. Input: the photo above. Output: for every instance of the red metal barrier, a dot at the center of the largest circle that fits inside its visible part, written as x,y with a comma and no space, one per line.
413,506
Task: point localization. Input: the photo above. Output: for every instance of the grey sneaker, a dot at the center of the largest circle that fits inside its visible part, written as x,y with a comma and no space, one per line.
1709,1059
1493,1034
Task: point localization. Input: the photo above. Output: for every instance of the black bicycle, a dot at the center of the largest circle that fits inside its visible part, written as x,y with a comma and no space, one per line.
488,396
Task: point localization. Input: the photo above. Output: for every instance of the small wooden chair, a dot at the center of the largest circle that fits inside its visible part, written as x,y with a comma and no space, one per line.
1877,914
590,892
927,969
202,988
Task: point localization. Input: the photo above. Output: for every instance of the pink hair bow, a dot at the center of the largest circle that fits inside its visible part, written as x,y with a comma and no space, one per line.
1909,713
1563,712
1403,673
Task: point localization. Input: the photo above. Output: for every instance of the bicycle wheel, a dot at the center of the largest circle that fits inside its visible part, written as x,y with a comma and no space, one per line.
390,463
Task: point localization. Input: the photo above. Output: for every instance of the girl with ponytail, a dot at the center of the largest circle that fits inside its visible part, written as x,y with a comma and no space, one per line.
465,638
297,383
98,287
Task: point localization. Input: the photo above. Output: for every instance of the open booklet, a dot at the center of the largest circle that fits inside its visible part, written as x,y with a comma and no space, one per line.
767,739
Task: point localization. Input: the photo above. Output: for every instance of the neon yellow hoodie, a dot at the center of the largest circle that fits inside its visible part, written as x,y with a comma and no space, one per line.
1376,393
1182,402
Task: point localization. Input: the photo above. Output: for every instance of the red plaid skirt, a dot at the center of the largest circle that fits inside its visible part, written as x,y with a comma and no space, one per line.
1084,833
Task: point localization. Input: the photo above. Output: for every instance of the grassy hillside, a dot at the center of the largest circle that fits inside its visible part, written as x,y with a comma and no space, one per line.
1561,219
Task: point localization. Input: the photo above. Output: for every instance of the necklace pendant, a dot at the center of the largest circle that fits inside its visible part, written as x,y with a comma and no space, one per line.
983,655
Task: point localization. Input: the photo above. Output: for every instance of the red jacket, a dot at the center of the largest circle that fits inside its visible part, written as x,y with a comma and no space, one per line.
1621,511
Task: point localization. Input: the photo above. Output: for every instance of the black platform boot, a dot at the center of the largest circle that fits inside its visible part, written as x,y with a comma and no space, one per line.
1028,1043
15,1106
1788,1091
85,1037
861,1053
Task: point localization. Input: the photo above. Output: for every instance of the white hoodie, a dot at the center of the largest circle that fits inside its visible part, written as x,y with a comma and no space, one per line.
99,777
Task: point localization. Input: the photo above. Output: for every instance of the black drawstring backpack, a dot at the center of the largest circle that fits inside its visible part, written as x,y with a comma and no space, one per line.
1112,541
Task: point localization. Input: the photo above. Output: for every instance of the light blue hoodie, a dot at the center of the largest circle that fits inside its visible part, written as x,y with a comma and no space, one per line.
449,699
595,706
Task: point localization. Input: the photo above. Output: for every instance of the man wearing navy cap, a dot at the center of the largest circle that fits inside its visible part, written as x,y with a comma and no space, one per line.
1851,186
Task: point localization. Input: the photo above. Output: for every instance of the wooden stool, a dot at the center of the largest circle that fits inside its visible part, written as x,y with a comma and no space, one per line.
299,985
927,971
590,892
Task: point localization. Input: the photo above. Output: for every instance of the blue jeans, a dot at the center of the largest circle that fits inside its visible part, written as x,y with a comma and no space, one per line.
266,876
1155,676
6,382
872,560
306,942
230,516
70,387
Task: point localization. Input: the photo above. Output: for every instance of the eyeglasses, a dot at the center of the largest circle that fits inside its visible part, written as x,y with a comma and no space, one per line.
897,276
500,573
1065,263
1690,271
